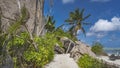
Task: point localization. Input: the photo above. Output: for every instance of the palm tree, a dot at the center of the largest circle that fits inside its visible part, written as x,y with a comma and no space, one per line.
50,25
76,21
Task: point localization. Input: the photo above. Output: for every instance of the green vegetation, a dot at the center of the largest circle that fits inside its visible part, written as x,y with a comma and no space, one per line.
76,21
29,50
60,33
21,45
97,48
21,20
45,53
50,26
87,61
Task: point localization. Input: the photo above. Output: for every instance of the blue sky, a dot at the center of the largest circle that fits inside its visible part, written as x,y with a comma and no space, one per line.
105,19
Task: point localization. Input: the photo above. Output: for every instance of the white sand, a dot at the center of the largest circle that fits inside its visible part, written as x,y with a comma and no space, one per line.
106,58
62,61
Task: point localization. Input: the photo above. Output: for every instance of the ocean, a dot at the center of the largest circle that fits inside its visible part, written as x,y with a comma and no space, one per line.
112,51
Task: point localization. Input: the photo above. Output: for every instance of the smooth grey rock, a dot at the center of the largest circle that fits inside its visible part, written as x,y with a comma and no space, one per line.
80,49
58,49
7,62
68,44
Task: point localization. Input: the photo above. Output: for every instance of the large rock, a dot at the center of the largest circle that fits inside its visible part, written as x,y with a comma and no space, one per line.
58,49
7,62
79,49
68,44
76,49
11,9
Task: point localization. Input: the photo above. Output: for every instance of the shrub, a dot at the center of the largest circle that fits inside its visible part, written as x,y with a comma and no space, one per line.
61,33
24,54
45,53
97,48
87,61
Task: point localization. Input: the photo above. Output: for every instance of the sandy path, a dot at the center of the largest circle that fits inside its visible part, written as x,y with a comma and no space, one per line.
62,61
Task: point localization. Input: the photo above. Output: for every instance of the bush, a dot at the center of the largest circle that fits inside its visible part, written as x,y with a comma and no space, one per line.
45,53
61,33
87,61
97,48
24,54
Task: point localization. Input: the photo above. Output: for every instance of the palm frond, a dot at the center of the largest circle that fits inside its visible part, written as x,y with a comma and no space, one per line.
71,14
86,17
86,23
77,14
81,13
69,21
83,30
60,27
76,21
50,25
71,29
54,22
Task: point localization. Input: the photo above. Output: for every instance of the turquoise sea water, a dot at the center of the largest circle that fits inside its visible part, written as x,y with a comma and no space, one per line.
112,51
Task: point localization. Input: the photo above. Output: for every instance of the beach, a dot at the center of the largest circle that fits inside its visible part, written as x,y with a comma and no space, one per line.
62,61
106,59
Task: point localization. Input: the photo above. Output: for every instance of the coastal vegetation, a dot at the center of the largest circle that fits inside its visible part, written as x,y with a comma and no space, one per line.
87,61
22,47
97,48
27,50
76,21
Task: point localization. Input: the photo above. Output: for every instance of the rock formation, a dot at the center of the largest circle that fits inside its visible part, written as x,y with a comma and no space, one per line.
68,44
11,9
76,49
79,49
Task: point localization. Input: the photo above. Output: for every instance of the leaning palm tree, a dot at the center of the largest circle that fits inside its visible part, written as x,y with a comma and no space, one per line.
76,21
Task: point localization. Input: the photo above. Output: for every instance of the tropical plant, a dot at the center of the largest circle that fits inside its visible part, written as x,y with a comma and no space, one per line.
76,21
97,48
50,26
61,33
21,20
24,47
25,55
87,61
45,51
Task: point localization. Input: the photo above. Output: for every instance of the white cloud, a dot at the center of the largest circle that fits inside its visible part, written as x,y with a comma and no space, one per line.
100,0
97,34
67,1
102,26
105,25
90,34
100,35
